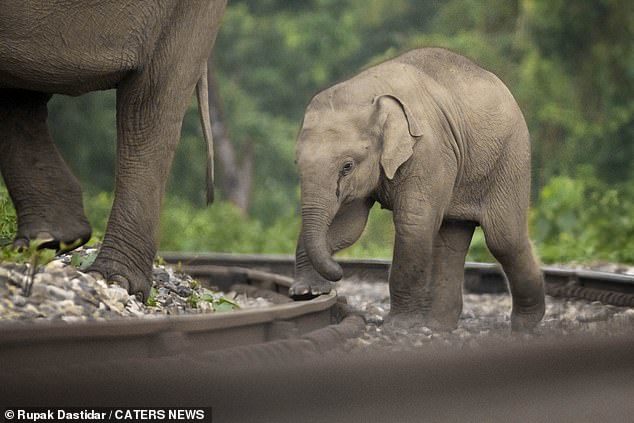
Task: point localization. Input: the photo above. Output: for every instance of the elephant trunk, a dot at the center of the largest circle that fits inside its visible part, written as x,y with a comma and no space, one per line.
316,219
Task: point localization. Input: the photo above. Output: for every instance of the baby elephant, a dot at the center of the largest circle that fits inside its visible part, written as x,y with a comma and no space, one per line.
442,143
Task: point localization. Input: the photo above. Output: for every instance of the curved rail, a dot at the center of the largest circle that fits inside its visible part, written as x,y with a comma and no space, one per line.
158,336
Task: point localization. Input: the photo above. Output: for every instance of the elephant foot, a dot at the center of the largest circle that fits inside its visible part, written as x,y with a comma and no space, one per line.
524,319
113,272
441,325
62,238
398,322
414,322
302,290
444,321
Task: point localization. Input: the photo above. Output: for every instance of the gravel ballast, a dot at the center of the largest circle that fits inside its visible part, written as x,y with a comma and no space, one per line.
61,292
485,318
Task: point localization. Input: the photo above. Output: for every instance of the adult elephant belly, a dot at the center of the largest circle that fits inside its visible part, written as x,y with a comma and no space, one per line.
74,49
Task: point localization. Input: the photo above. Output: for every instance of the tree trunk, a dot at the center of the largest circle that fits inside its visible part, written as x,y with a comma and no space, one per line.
235,176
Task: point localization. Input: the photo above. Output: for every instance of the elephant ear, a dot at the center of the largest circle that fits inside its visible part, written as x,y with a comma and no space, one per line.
400,129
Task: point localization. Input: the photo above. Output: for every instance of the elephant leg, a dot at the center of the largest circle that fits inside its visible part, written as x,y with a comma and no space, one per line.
507,239
416,225
148,128
345,230
418,215
151,104
46,195
449,252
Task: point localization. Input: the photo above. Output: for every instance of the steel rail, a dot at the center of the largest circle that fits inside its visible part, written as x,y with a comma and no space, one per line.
157,336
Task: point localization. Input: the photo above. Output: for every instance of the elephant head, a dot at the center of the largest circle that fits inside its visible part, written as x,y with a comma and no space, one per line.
354,135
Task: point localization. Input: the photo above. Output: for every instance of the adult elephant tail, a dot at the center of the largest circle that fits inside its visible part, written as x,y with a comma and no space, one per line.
202,93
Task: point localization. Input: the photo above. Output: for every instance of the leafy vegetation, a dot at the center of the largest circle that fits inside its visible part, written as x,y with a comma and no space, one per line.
218,302
583,219
83,261
151,301
8,225
570,65
33,256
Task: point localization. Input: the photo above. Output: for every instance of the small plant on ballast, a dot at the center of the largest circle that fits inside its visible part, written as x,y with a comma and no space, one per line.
33,255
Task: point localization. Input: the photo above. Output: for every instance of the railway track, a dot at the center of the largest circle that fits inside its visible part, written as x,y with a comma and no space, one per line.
277,364
608,288
161,336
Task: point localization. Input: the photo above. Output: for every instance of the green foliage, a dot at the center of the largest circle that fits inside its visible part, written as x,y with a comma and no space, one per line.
83,261
570,65
218,302
579,219
584,219
587,47
8,225
8,228
271,137
478,250
151,301
85,130
97,209
377,240
222,228
32,255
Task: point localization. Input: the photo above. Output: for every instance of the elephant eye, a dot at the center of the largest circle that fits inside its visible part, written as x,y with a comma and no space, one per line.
347,168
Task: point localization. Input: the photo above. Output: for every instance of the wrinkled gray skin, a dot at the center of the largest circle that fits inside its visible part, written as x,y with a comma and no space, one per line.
153,53
442,143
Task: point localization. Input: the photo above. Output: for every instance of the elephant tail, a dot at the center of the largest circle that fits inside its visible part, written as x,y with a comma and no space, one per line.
202,93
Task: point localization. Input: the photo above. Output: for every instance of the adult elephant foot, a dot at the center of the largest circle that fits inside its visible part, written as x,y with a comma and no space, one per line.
60,236
307,289
132,278
46,195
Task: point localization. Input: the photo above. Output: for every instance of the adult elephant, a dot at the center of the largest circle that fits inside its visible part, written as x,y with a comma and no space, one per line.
153,53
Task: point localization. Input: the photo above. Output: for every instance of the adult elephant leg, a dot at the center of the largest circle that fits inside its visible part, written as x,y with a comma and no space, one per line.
346,228
148,128
450,249
46,195
151,104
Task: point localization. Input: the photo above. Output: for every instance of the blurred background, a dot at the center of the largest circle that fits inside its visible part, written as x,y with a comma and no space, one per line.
570,65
